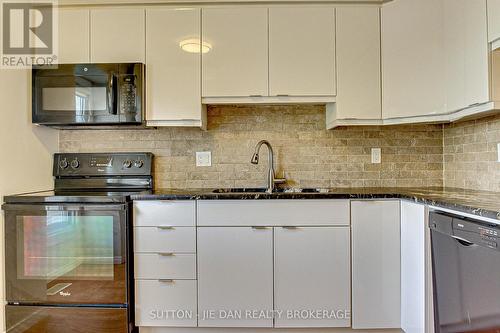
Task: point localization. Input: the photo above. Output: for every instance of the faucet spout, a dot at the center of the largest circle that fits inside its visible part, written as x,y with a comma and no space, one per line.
271,177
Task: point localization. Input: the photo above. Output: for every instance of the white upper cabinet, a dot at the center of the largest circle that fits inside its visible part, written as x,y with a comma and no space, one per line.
358,63
412,58
376,296
312,271
493,20
117,35
302,51
74,36
466,53
173,94
235,273
237,63
477,85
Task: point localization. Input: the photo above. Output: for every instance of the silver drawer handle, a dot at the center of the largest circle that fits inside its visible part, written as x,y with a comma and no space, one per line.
166,281
260,228
290,228
166,254
165,227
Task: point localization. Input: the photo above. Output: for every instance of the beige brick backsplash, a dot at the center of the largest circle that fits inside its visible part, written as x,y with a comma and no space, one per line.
470,154
310,155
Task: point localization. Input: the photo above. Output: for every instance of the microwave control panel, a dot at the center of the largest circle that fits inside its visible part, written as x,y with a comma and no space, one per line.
128,94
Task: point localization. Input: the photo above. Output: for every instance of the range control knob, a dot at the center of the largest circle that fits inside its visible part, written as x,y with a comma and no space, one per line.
138,163
75,164
63,164
127,164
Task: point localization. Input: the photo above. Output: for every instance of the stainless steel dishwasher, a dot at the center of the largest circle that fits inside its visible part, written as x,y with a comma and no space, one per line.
466,274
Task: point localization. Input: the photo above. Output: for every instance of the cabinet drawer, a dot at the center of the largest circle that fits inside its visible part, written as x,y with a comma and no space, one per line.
165,303
165,266
173,239
164,213
273,212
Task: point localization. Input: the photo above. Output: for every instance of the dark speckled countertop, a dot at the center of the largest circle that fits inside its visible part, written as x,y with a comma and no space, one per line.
481,203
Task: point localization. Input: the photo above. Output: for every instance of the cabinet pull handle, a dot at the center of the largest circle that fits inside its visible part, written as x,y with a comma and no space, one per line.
282,95
165,227
166,281
260,228
255,95
290,228
166,254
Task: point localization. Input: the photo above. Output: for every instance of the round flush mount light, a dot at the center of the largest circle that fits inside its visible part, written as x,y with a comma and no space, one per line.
193,46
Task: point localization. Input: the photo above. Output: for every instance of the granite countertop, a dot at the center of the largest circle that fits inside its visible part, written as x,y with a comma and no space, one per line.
481,203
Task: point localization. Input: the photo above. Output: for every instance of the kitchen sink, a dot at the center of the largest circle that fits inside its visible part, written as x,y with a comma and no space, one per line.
263,190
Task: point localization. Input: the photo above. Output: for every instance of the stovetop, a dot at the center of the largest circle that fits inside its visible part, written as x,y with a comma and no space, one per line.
87,197
94,178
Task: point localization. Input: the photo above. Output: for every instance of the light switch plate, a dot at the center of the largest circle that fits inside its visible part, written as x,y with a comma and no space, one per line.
376,155
498,151
203,158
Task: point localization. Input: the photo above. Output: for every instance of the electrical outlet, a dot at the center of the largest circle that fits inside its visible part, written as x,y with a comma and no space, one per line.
376,155
203,158
498,151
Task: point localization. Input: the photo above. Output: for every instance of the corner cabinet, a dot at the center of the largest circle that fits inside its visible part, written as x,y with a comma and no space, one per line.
358,66
376,292
173,94
494,22
237,60
117,35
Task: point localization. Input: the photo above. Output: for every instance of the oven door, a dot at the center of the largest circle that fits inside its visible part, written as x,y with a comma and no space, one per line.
66,254
75,94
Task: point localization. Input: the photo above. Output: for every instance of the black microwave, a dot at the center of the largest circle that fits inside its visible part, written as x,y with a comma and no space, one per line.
88,94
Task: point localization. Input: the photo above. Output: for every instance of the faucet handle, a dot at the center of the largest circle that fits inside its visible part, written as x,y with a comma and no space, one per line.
280,180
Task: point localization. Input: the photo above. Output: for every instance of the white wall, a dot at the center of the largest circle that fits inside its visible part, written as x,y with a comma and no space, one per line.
25,150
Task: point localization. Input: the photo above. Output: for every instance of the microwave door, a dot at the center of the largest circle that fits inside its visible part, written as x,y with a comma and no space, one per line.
75,99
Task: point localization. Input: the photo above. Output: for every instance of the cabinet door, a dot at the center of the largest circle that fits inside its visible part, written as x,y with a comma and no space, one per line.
454,47
358,63
235,274
466,53
413,271
412,58
476,53
117,35
312,272
302,51
237,64
173,75
376,264
493,20
74,36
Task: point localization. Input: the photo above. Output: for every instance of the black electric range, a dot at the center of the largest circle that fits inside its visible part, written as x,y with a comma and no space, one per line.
68,252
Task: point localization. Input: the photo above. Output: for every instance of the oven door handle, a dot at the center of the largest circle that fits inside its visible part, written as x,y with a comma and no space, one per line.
65,207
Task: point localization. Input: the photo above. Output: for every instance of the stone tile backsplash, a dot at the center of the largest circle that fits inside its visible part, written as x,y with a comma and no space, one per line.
307,153
470,154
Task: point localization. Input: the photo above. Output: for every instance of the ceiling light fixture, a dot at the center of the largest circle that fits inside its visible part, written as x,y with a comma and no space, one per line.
193,46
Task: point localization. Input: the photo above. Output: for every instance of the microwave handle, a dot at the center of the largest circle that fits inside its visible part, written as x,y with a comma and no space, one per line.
112,95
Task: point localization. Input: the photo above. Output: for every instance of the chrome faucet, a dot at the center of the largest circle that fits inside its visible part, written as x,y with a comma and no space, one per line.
271,176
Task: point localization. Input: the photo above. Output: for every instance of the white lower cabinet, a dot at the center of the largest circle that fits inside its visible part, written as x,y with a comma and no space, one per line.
312,273
235,275
376,291
165,303
165,264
